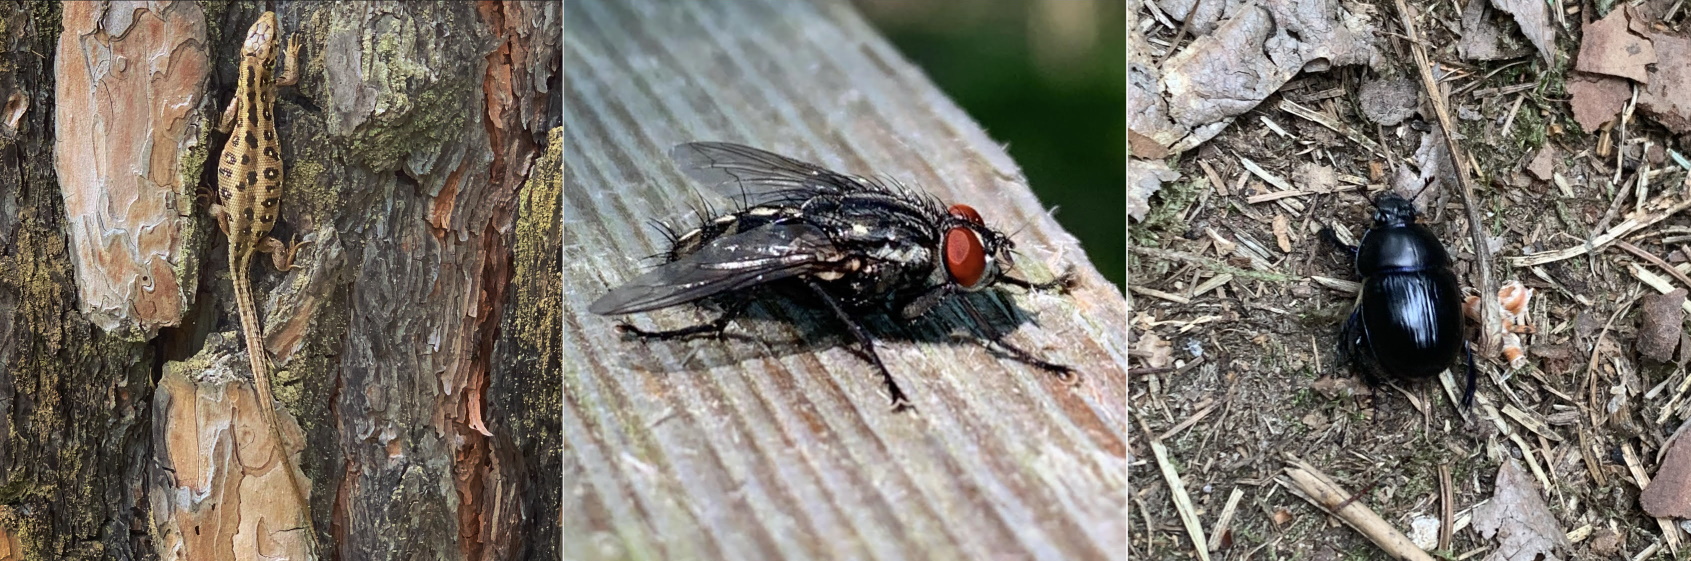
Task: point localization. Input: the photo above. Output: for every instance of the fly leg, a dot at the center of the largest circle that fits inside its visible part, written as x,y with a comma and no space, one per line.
713,328
899,401
1064,373
1062,283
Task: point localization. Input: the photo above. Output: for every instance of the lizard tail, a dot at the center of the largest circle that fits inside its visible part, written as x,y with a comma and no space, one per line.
253,332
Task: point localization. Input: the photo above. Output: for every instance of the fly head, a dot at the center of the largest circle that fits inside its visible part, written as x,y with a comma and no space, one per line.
974,254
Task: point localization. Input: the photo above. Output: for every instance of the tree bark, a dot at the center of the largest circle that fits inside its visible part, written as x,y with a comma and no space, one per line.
414,344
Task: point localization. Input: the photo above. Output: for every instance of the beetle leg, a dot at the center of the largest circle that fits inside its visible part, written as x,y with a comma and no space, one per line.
1468,396
1327,234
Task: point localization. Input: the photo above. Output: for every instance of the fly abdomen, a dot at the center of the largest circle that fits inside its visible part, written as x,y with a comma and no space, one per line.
727,225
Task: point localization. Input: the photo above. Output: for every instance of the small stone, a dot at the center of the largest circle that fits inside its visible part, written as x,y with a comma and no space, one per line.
1424,531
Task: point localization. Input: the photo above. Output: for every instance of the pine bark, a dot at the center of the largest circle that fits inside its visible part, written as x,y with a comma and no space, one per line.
414,341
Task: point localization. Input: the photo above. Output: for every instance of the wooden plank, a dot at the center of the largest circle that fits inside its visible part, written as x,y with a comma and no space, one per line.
777,442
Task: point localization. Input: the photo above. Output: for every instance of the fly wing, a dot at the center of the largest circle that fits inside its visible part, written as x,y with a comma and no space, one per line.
758,175
749,258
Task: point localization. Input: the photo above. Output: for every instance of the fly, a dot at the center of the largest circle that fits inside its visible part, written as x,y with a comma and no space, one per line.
859,245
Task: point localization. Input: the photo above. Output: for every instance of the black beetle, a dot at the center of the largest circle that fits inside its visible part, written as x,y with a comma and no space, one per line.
1407,323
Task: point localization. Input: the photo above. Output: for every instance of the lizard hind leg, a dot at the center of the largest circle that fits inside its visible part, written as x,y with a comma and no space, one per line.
282,254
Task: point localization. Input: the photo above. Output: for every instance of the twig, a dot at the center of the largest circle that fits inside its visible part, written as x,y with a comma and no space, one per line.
1628,226
1154,293
1447,518
1320,491
1670,532
1591,465
1530,422
1226,518
1657,261
1187,423
1591,366
1491,313
1340,285
1182,502
1655,281
1212,264
1318,118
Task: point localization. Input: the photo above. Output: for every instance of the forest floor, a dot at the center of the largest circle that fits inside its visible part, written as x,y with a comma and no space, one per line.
1237,304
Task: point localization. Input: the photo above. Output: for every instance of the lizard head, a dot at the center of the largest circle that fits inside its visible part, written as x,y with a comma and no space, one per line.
261,38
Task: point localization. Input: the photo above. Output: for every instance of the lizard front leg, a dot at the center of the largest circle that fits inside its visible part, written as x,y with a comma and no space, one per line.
227,122
290,62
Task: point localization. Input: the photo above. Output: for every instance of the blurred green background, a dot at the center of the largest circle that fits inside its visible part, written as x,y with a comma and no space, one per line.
1046,77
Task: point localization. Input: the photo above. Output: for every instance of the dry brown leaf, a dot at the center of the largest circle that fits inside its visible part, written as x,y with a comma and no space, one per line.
1660,324
1389,102
1145,177
1517,518
1667,98
1543,165
1596,99
1282,516
1533,16
1481,39
1281,228
1311,176
1669,493
1433,157
1149,129
1335,387
1203,21
1609,47
1153,351
1256,50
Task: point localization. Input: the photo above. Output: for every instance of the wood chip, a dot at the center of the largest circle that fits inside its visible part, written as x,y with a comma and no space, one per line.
1158,294
1211,284
1670,531
1531,422
1341,285
1319,490
1226,518
1633,223
1281,230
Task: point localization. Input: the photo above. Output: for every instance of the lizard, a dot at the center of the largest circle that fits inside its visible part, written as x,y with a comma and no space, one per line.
249,182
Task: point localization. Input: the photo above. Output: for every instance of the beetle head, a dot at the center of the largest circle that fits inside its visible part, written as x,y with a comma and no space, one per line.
1391,209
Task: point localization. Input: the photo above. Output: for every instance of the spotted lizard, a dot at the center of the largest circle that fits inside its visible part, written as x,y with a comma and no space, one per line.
249,183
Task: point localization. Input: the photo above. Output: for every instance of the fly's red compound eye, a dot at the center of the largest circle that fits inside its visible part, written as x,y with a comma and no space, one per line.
965,259
965,212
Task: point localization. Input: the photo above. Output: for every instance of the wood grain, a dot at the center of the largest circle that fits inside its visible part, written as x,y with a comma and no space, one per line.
777,442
